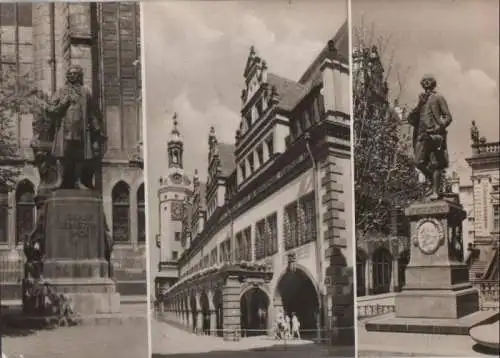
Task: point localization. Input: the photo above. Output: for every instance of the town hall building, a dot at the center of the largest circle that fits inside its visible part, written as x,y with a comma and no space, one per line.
270,229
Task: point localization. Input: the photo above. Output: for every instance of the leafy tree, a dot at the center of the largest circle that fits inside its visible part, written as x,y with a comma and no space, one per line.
385,176
18,96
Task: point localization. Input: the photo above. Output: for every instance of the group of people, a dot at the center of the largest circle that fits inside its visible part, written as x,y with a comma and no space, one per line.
287,327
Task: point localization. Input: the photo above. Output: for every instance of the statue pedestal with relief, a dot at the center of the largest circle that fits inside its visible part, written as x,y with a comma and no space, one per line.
438,297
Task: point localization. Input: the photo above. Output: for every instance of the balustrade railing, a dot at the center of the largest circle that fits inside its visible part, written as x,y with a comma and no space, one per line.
372,310
488,290
481,148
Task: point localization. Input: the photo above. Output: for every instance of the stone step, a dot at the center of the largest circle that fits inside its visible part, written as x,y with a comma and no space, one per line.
132,288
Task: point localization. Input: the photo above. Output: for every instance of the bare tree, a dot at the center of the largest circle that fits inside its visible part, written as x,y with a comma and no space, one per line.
385,176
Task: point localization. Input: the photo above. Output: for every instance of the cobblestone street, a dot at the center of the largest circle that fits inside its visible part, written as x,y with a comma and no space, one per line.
168,341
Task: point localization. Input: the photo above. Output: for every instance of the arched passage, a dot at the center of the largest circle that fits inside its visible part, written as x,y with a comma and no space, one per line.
219,316
361,273
382,271
298,295
403,261
254,305
205,310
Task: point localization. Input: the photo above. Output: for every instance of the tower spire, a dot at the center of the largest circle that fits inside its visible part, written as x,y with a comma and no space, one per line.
175,145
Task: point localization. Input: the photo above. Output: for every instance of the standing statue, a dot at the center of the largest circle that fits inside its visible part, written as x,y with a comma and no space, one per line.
77,138
429,119
474,133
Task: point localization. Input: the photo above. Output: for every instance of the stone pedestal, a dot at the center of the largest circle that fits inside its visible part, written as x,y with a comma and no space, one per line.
437,297
75,261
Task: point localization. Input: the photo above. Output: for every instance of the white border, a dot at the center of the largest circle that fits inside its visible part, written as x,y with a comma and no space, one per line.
145,176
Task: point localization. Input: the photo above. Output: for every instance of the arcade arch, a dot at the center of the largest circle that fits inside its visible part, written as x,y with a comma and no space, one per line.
254,305
297,294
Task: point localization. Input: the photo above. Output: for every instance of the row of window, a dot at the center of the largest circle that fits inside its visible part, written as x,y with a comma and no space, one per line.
299,228
257,158
26,212
306,116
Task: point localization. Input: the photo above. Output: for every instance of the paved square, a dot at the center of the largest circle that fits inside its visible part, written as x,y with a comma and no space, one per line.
126,340
168,341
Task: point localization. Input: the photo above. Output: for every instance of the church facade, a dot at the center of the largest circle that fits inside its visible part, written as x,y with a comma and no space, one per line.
40,41
270,228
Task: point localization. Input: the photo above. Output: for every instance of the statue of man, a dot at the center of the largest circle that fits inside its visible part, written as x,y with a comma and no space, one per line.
77,131
429,119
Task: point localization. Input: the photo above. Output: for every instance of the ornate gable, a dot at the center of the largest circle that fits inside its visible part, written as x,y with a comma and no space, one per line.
255,74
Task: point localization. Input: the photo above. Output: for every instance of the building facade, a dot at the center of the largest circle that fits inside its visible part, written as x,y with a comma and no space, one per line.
40,41
270,229
484,215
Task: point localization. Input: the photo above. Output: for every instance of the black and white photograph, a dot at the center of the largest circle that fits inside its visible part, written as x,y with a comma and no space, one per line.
72,201
248,165
426,171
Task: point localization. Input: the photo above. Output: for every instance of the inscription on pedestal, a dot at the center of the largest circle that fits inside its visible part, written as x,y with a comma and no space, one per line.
78,226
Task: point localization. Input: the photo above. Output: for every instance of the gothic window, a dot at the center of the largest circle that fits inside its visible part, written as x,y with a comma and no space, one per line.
4,214
239,245
291,226
307,211
121,212
272,229
260,249
25,210
247,244
141,215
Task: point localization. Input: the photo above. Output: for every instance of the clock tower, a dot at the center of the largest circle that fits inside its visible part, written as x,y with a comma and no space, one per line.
174,189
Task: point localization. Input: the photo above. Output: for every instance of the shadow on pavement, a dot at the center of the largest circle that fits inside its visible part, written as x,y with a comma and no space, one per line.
485,350
290,351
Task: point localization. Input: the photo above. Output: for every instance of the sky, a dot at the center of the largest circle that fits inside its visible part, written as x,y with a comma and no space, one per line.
194,58
456,41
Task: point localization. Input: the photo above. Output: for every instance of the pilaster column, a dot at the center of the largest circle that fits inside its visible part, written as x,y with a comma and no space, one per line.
199,314
395,275
133,218
189,313
213,315
369,276
11,224
231,309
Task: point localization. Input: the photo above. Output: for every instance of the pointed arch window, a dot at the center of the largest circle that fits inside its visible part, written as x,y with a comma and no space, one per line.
141,215
25,210
121,212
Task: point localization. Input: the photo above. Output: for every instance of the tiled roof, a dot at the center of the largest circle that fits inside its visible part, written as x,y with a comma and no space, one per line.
289,91
226,158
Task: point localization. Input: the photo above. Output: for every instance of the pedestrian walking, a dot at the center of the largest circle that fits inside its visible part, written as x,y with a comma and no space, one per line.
287,326
295,326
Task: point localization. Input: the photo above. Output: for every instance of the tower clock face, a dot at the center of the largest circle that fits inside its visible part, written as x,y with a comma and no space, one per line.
177,210
177,179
